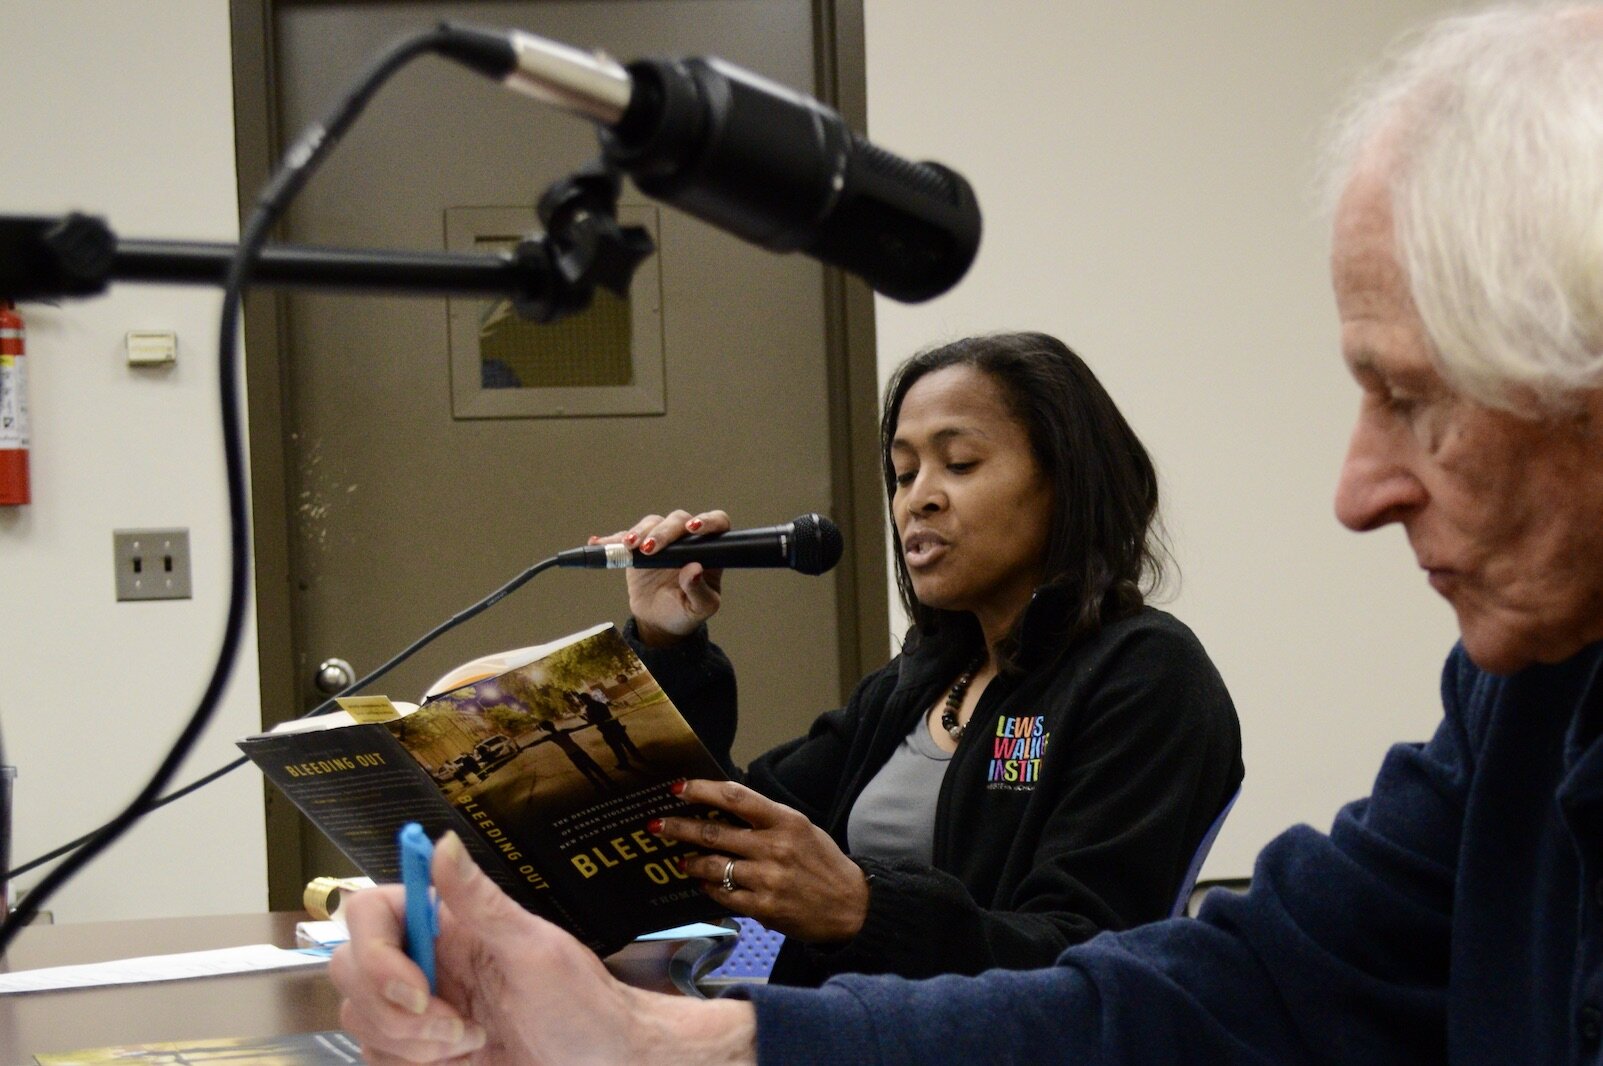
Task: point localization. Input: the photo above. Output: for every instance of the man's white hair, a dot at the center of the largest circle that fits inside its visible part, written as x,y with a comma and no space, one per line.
1491,125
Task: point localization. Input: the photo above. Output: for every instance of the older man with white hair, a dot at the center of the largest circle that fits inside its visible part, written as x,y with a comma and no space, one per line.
1456,915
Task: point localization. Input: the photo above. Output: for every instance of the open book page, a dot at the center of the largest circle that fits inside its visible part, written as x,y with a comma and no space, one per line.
500,662
339,719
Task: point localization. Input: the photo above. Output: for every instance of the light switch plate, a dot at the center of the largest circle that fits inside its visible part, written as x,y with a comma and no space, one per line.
152,564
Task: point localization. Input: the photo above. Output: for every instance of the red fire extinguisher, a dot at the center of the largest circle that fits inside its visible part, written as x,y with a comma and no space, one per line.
13,409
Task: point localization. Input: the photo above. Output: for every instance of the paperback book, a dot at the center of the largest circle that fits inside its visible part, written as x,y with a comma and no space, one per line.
548,762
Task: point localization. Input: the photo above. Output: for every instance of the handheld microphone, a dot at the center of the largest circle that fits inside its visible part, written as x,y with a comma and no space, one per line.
811,544
751,157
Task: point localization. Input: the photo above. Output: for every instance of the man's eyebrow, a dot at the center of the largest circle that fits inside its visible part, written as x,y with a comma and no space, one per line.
1365,364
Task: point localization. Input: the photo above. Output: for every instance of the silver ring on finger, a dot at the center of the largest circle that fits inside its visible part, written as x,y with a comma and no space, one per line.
729,877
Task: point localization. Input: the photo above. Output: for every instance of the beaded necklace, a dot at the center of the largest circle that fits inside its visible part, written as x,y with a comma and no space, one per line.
954,700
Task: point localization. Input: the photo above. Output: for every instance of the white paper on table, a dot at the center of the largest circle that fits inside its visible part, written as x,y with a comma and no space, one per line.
331,934
252,958
324,934
689,932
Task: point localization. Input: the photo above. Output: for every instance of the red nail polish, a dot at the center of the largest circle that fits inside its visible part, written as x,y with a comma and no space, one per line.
654,826
678,787
648,545
679,863
693,525
628,538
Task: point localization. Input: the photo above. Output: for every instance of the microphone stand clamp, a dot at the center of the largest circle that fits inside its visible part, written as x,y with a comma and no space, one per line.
584,245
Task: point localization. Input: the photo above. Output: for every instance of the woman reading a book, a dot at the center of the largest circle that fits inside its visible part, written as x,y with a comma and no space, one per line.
1043,758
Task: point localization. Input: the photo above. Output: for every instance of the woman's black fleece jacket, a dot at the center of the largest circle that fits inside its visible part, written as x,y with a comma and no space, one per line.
1076,798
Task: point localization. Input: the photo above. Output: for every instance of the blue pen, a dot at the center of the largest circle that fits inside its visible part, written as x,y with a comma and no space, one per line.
422,916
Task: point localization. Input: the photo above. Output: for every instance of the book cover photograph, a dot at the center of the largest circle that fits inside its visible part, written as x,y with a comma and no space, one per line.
548,762
329,1048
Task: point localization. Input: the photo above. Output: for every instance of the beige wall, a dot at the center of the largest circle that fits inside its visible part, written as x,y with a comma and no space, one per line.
1145,170
126,111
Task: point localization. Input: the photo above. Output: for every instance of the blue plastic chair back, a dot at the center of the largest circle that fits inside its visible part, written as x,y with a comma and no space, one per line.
1182,900
752,957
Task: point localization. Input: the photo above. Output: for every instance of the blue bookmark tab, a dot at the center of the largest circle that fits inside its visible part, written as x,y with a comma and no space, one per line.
422,916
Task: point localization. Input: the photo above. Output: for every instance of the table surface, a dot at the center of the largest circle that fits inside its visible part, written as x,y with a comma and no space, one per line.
235,1005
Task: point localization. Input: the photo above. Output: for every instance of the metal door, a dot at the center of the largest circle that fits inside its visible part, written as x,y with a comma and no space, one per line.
404,503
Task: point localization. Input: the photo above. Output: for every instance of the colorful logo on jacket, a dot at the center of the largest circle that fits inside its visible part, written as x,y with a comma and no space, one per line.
1016,752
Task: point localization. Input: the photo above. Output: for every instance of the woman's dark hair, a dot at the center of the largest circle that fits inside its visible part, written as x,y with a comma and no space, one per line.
1104,547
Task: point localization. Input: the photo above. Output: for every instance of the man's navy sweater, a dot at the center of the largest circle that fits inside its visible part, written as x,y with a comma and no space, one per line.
1453,916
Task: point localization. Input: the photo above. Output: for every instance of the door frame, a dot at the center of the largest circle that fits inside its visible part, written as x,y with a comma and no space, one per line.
862,594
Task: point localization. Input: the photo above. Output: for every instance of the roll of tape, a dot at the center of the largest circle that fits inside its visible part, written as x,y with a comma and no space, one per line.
324,896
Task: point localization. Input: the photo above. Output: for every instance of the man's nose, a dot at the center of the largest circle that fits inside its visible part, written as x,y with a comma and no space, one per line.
1376,486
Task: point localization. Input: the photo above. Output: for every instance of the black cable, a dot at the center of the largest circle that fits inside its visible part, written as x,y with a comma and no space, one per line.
5,832
325,707
298,165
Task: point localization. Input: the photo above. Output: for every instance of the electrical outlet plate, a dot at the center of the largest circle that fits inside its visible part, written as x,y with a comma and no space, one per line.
150,347
152,564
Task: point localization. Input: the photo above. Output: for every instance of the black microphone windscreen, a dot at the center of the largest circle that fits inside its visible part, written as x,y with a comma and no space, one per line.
818,544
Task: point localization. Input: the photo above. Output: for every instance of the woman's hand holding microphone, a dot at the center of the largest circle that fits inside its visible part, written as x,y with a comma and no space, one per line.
668,605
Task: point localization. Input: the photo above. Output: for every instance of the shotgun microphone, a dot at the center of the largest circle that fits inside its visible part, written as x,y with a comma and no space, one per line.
811,544
753,158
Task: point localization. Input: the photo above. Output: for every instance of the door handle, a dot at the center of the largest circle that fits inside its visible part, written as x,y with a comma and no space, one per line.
333,675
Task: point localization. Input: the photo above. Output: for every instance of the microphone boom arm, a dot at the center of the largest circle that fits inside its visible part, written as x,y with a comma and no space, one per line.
547,276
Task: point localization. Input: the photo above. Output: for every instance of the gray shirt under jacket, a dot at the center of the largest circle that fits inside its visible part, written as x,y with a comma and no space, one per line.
894,818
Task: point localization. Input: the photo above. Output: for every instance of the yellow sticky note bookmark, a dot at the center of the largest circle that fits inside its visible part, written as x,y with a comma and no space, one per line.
366,710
